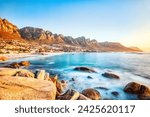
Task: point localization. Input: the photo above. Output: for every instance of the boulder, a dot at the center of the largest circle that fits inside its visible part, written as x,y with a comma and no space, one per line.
132,87
54,79
82,97
92,94
69,95
25,73
40,74
16,72
142,91
59,87
47,77
2,58
25,63
110,75
85,69
14,65
20,88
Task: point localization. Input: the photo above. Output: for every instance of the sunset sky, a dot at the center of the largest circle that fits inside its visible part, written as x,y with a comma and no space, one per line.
125,21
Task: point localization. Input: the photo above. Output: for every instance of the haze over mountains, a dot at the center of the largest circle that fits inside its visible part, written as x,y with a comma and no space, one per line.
67,43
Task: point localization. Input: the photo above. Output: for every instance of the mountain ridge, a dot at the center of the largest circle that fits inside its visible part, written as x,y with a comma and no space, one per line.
66,43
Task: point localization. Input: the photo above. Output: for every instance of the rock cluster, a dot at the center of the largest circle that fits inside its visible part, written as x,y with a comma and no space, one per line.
39,76
25,64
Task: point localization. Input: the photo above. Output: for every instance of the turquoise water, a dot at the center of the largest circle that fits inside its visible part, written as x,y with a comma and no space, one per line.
129,66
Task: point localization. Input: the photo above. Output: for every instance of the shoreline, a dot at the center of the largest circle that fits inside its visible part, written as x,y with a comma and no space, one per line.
26,55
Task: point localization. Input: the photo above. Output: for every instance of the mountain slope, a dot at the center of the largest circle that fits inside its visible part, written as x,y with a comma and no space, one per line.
64,43
8,30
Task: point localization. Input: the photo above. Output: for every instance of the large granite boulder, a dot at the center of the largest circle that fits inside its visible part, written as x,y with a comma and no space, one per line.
92,94
132,87
20,88
142,91
16,72
110,75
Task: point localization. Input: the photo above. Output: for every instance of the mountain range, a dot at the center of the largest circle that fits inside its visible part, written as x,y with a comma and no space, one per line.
9,31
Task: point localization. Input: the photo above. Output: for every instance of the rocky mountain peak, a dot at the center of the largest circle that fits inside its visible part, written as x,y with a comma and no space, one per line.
8,30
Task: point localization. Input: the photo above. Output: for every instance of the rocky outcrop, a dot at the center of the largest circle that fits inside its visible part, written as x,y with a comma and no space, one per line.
25,64
142,91
2,58
16,72
39,34
92,94
110,75
8,30
20,88
85,69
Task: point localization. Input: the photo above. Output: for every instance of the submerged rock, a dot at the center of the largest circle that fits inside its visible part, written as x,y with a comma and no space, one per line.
89,77
85,69
115,93
110,75
103,88
92,94
142,91
20,88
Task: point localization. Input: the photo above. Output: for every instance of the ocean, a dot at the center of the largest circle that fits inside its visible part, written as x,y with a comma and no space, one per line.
129,66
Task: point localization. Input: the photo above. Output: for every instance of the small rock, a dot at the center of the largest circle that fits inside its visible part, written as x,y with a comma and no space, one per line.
85,69
47,76
54,79
59,87
40,75
63,81
2,58
92,94
22,73
89,77
25,63
15,65
110,75
103,88
115,93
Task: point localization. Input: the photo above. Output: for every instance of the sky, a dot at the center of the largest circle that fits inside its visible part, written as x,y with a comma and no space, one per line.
124,21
